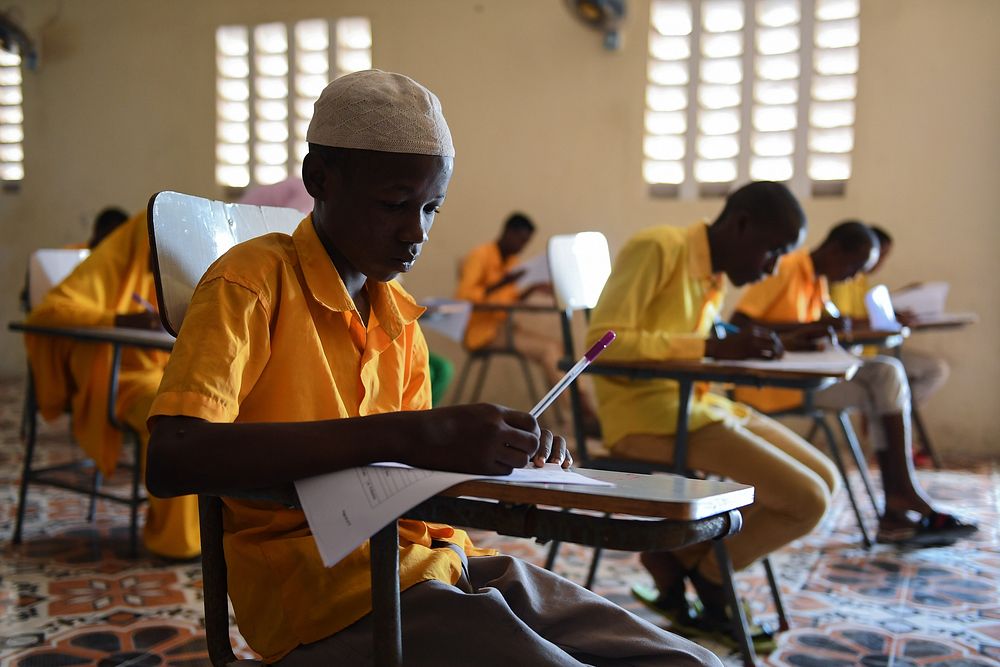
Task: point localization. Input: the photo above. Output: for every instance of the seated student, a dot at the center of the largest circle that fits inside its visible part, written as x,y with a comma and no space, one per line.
793,302
925,372
106,222
301,355
664,293
489,275
112,287
291,193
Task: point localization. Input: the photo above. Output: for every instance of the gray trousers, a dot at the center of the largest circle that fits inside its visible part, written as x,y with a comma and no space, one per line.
878,388
504,612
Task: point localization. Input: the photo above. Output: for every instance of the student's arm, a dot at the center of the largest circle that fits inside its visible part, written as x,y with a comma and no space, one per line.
189,455
474,286
222,349
640,272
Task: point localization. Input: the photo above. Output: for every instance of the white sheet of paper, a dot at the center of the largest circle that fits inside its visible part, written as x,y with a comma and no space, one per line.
347,507
834,360
446,316
881,315
923,300
536,271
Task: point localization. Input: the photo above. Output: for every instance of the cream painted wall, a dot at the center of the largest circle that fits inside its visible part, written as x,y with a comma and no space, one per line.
545,121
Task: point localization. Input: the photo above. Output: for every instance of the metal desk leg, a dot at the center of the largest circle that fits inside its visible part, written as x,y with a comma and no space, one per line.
736,609
685,388
388,630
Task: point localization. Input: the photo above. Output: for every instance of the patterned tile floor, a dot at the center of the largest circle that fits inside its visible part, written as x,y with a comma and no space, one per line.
70,596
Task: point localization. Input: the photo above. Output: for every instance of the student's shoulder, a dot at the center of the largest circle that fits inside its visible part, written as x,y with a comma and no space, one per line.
665,240
254,263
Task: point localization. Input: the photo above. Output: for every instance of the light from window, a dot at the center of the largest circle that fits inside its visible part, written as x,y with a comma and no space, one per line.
269,76
11,118
750,89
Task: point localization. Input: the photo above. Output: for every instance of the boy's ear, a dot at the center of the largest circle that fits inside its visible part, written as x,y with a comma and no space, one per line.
315,176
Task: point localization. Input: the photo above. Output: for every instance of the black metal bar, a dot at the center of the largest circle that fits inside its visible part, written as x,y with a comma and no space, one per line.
736,609
136,500
779,601
480,379
685,388
595,561
387,635
462,377
214,575
31,431
859,457
116,362
839,462
92,510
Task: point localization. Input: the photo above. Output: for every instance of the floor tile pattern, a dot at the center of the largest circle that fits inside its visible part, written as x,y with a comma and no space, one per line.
69,595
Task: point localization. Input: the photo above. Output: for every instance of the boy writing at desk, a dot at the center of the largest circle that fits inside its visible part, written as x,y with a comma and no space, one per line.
299,356
794,302
662,298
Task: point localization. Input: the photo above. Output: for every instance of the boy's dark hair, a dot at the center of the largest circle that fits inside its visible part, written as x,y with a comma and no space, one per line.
519,221
331,156
883,236
766,201
106,222
852,236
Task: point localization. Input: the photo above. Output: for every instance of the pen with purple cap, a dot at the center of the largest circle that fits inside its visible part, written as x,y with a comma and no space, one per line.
572,374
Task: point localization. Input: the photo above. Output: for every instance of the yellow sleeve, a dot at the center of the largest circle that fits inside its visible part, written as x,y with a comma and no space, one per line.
221,350
759,299
417,391
641,271
472,278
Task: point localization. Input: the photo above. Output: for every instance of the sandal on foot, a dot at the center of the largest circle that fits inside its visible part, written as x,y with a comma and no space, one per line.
669,607
943,526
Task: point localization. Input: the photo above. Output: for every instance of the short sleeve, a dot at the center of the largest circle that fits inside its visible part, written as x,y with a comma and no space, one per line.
221,349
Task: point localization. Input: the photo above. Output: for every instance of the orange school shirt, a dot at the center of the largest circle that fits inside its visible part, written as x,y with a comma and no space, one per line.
794,294
272,335
482,267
76,373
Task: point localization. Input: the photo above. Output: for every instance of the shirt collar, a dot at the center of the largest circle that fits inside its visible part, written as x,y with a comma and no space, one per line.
392,306
699,256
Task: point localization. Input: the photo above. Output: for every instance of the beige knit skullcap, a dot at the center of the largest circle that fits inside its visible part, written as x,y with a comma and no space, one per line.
380,111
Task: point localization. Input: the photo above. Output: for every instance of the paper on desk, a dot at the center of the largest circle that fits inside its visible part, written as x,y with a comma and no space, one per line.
446,316
835,360
536,271
347,507
924,300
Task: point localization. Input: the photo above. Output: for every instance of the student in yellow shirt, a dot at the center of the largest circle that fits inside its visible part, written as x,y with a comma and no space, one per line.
925,372
663,296
301,355
489,275
794,301
109,288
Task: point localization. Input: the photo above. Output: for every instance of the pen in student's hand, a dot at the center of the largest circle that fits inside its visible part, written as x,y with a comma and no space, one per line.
572,374
722,329
146,305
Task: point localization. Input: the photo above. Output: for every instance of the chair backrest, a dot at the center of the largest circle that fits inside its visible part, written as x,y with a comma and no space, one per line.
579,265
187,234
47,268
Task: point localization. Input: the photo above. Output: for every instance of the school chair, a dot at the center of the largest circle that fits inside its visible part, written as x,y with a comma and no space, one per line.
46,269
580,265
483,357
186,235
